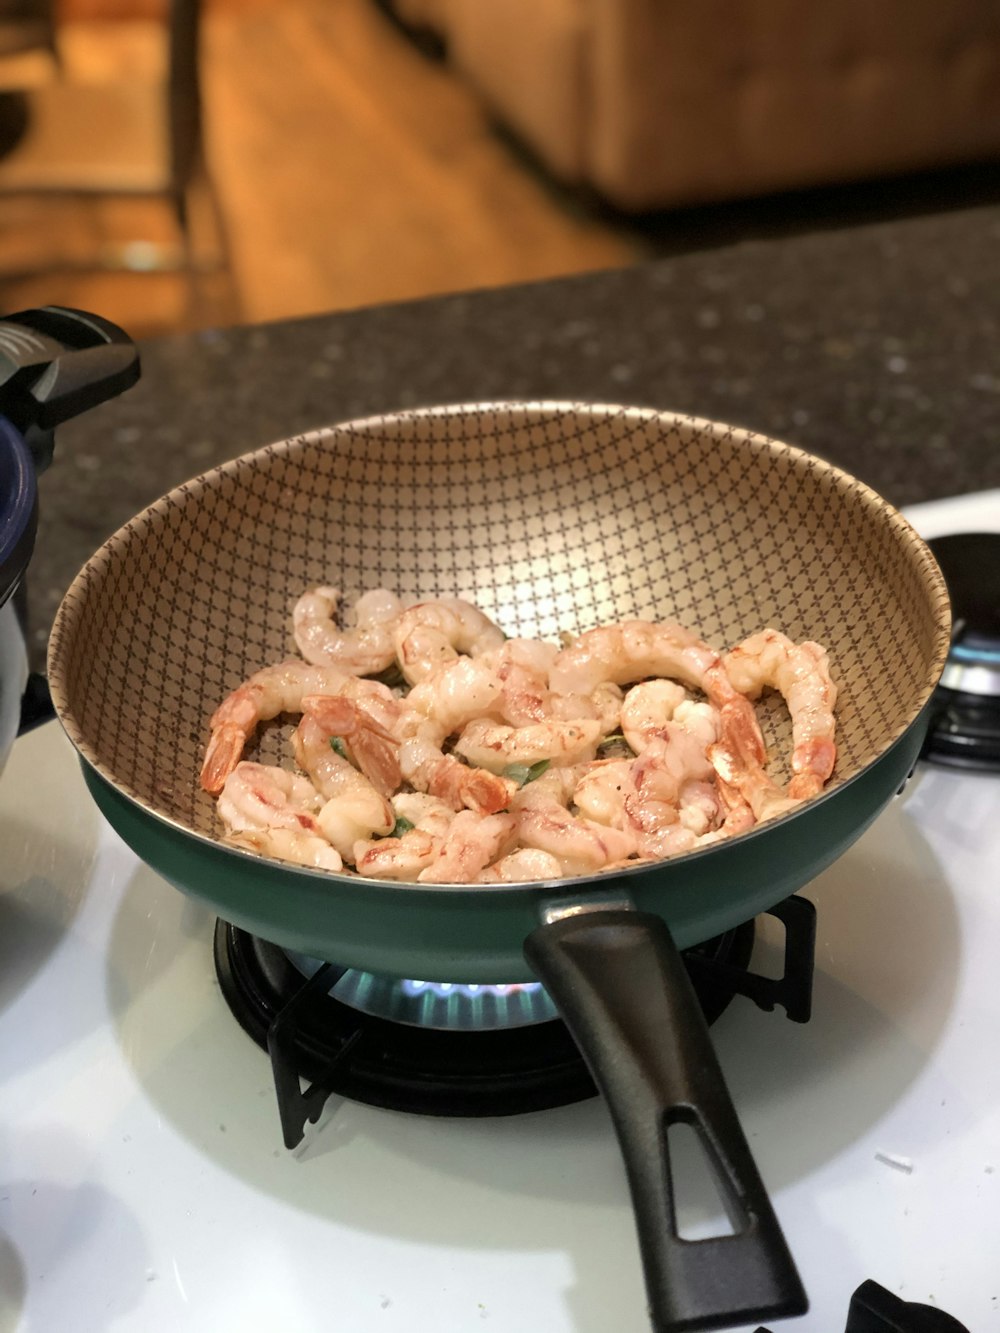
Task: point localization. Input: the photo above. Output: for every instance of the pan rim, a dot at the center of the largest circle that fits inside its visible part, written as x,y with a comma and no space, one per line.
72,606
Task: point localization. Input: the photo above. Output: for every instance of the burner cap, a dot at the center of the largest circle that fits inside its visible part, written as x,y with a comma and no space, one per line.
965,727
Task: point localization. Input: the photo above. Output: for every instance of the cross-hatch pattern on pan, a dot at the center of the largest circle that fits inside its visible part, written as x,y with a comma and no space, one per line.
490,760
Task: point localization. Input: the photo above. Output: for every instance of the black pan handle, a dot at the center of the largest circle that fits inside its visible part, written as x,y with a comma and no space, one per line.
621,987
56,362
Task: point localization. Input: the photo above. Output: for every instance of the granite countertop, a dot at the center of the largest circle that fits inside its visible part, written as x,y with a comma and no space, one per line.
877,348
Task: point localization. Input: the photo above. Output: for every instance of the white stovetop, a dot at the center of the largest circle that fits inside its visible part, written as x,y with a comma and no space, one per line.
143,1185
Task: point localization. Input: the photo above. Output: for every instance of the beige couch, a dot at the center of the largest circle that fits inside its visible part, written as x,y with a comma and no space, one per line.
655,103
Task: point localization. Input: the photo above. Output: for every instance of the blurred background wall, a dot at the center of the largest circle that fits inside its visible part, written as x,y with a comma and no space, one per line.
350,152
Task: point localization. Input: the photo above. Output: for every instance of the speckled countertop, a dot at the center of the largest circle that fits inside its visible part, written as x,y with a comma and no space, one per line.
878,348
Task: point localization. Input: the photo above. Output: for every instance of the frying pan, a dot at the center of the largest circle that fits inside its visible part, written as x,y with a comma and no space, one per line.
551,517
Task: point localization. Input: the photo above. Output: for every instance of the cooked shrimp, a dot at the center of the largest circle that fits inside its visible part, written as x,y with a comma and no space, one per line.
652,806
435,708
272,811
287,844
601,792
375,749
353,808
638,795
471,843
697,772
400,858
430,633
426,768
646,710
700,720
522,668
526,699
494,746
737,813
556,784
425,812
677,839
746,791
527,863
699,808
800,672
535,655
631,651
449,697
639,648
258,796
364,650
525,696
606,699
265,694
579,845
403,855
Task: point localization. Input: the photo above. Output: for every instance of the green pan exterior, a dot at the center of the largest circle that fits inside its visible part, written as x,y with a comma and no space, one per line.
465,933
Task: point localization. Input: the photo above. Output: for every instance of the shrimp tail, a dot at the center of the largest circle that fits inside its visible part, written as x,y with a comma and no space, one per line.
486,793
738,815
805,785
221,756
812,764
467,788
378,759
740,733
374,748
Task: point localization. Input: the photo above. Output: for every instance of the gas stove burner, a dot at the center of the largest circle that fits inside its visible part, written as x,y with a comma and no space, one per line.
447,1005
454,1050
965,724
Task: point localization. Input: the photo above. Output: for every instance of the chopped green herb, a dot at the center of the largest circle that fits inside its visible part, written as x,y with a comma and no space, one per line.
401,826
338,746
522,774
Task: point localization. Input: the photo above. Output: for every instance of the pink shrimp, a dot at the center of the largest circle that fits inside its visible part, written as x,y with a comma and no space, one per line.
265,695
471,843
272,811
801,673
375,749
366,649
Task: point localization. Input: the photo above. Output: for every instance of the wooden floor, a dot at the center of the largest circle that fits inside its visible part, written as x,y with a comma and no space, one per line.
350,169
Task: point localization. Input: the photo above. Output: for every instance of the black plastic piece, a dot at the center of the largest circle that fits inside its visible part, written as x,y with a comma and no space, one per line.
56,362
36,704
620,985
875,1310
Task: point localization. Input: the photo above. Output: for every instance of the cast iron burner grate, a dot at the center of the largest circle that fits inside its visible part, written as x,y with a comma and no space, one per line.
430,1071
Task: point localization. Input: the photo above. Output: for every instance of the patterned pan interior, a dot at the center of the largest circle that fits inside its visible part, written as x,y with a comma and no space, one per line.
549,516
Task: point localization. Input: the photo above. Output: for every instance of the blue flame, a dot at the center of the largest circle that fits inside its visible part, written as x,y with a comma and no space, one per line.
450,988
